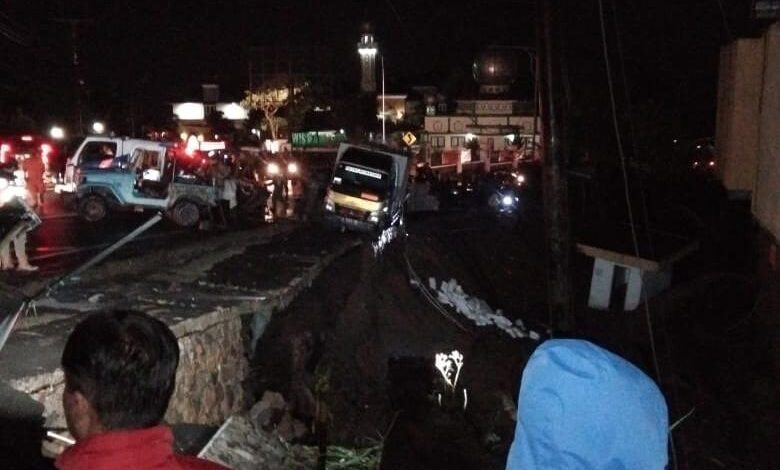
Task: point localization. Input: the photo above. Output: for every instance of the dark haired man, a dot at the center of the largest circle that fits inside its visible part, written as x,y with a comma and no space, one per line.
120,371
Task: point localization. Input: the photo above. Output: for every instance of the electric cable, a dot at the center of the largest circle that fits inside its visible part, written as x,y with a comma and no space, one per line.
725,20
632,128
627,191
643,199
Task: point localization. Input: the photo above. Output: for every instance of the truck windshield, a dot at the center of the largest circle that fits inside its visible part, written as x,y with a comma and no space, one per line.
360,170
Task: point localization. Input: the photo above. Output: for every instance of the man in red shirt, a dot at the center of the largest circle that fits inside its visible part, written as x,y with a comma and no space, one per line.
33,170
120,372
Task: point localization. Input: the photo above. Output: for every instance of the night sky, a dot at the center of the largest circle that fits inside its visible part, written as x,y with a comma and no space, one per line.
142,54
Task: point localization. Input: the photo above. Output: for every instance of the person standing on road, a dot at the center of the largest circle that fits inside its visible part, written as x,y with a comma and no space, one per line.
33,172
120,373
22,218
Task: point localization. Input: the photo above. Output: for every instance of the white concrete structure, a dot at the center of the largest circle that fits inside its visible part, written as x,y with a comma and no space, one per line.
640,277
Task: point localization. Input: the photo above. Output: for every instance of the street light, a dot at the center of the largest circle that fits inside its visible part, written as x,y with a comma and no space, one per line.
384,111
98,127
57,133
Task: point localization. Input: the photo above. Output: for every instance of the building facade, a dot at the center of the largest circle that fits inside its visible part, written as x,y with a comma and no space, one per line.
193,115
748,138
487,131
748,124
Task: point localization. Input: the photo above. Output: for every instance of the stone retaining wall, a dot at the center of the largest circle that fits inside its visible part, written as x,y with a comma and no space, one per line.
210,379
214,357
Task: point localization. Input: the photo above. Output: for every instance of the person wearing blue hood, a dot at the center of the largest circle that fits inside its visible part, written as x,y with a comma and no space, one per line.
582,407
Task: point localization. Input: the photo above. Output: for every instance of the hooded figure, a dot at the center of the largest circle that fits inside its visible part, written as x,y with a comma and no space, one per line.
582,407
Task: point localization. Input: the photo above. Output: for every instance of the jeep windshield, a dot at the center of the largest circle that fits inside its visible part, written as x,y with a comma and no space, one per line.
360,170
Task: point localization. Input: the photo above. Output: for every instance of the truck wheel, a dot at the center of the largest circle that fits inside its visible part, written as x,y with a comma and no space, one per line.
93,208
185,214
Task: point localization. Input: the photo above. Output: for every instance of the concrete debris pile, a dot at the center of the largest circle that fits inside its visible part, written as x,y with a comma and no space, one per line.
477,310
260,439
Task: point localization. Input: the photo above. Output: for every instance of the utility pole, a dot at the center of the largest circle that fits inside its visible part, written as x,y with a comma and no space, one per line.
555,188
80,85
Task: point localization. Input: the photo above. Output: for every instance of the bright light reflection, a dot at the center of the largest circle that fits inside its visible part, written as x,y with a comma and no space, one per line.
57,132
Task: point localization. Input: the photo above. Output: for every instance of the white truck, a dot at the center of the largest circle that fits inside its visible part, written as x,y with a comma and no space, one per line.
368,189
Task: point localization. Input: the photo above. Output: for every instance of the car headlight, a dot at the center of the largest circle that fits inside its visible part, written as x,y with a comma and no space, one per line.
292,168
507,200
520,179
10,192
272,169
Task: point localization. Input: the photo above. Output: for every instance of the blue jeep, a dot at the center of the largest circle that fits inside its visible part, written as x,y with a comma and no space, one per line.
152,177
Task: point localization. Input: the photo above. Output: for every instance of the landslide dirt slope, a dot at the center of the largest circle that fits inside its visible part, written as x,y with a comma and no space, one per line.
378,336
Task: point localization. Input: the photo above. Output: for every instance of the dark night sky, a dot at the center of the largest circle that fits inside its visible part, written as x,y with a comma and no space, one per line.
153,51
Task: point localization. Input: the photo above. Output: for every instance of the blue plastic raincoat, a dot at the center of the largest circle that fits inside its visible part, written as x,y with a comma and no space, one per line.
582,407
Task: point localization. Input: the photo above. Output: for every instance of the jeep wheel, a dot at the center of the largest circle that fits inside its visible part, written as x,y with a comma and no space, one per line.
93,208
185,214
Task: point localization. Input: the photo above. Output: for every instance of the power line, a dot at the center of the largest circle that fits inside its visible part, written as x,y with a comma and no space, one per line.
725,20
627,191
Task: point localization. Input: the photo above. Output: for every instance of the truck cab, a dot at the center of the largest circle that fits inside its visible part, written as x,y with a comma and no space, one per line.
151,176
368,189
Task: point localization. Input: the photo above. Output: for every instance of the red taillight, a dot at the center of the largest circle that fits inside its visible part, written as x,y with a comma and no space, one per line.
369,196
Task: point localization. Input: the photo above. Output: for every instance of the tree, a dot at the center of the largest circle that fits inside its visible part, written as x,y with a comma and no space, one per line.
270,97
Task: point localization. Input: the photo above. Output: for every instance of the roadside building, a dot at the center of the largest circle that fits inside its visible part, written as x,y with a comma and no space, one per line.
489,127
748,141
197,115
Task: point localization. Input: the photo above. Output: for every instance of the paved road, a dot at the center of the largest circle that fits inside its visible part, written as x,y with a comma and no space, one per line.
64,240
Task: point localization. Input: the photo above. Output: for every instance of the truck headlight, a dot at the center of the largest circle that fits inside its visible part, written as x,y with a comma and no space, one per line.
377,215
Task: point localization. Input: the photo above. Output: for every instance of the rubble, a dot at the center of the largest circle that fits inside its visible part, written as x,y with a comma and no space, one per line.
241,445
477,310
261,438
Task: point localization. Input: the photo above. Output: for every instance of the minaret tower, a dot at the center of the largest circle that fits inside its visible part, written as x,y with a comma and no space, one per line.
367,49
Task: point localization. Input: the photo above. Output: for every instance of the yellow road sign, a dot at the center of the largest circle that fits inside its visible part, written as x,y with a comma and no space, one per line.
409,139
